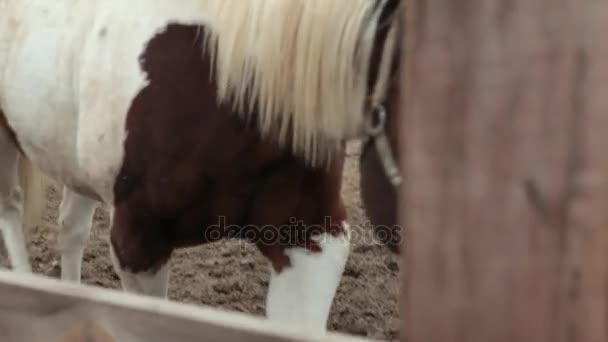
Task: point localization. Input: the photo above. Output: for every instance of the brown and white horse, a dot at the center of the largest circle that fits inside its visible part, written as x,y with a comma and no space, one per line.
194,121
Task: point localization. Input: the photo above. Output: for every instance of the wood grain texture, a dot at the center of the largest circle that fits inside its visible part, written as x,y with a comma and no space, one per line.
35,308
505,202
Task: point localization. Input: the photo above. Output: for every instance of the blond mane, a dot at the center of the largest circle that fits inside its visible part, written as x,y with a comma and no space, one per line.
300,65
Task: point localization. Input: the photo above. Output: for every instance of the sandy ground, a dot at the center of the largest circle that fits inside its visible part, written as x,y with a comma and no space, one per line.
234,276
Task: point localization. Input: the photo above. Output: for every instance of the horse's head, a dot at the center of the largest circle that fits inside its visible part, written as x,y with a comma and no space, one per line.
380,175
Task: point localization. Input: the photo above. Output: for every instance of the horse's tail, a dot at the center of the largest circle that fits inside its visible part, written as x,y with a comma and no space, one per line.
33,184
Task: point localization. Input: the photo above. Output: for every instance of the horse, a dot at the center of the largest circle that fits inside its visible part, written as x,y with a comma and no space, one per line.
193,121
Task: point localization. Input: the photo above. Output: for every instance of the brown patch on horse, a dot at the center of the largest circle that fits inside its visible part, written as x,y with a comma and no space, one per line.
194,173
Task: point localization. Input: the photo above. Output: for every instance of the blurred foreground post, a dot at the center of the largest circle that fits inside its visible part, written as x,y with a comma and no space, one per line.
505,160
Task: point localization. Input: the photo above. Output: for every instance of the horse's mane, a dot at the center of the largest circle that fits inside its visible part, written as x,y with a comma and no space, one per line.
300,65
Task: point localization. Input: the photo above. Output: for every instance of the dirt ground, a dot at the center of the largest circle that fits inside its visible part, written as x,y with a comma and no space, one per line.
234,276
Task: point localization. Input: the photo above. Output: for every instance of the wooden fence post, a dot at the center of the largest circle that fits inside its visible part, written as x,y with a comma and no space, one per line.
505,157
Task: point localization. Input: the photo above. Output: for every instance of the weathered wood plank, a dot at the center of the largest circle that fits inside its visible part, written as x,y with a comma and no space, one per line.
506,194
35,308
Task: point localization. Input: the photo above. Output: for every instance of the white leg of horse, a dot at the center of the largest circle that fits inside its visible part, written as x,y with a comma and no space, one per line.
147,283
75,220
11,206
302,294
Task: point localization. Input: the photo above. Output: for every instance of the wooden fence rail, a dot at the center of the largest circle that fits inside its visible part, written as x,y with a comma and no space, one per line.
36,308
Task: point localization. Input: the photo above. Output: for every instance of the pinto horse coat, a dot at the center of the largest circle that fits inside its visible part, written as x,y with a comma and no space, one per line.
195,121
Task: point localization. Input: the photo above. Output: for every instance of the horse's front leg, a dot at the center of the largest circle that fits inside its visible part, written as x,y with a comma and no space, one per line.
304,281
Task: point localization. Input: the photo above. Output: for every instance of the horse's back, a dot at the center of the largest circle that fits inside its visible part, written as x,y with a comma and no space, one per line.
71,69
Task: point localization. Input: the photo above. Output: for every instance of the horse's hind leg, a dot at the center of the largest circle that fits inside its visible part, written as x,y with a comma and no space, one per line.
75,219
11,204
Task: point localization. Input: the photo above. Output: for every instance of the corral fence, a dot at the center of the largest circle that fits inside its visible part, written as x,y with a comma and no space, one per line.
36,308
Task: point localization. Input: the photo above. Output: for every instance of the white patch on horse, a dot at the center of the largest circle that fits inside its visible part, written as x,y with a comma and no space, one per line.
302,294
67,89
71,70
